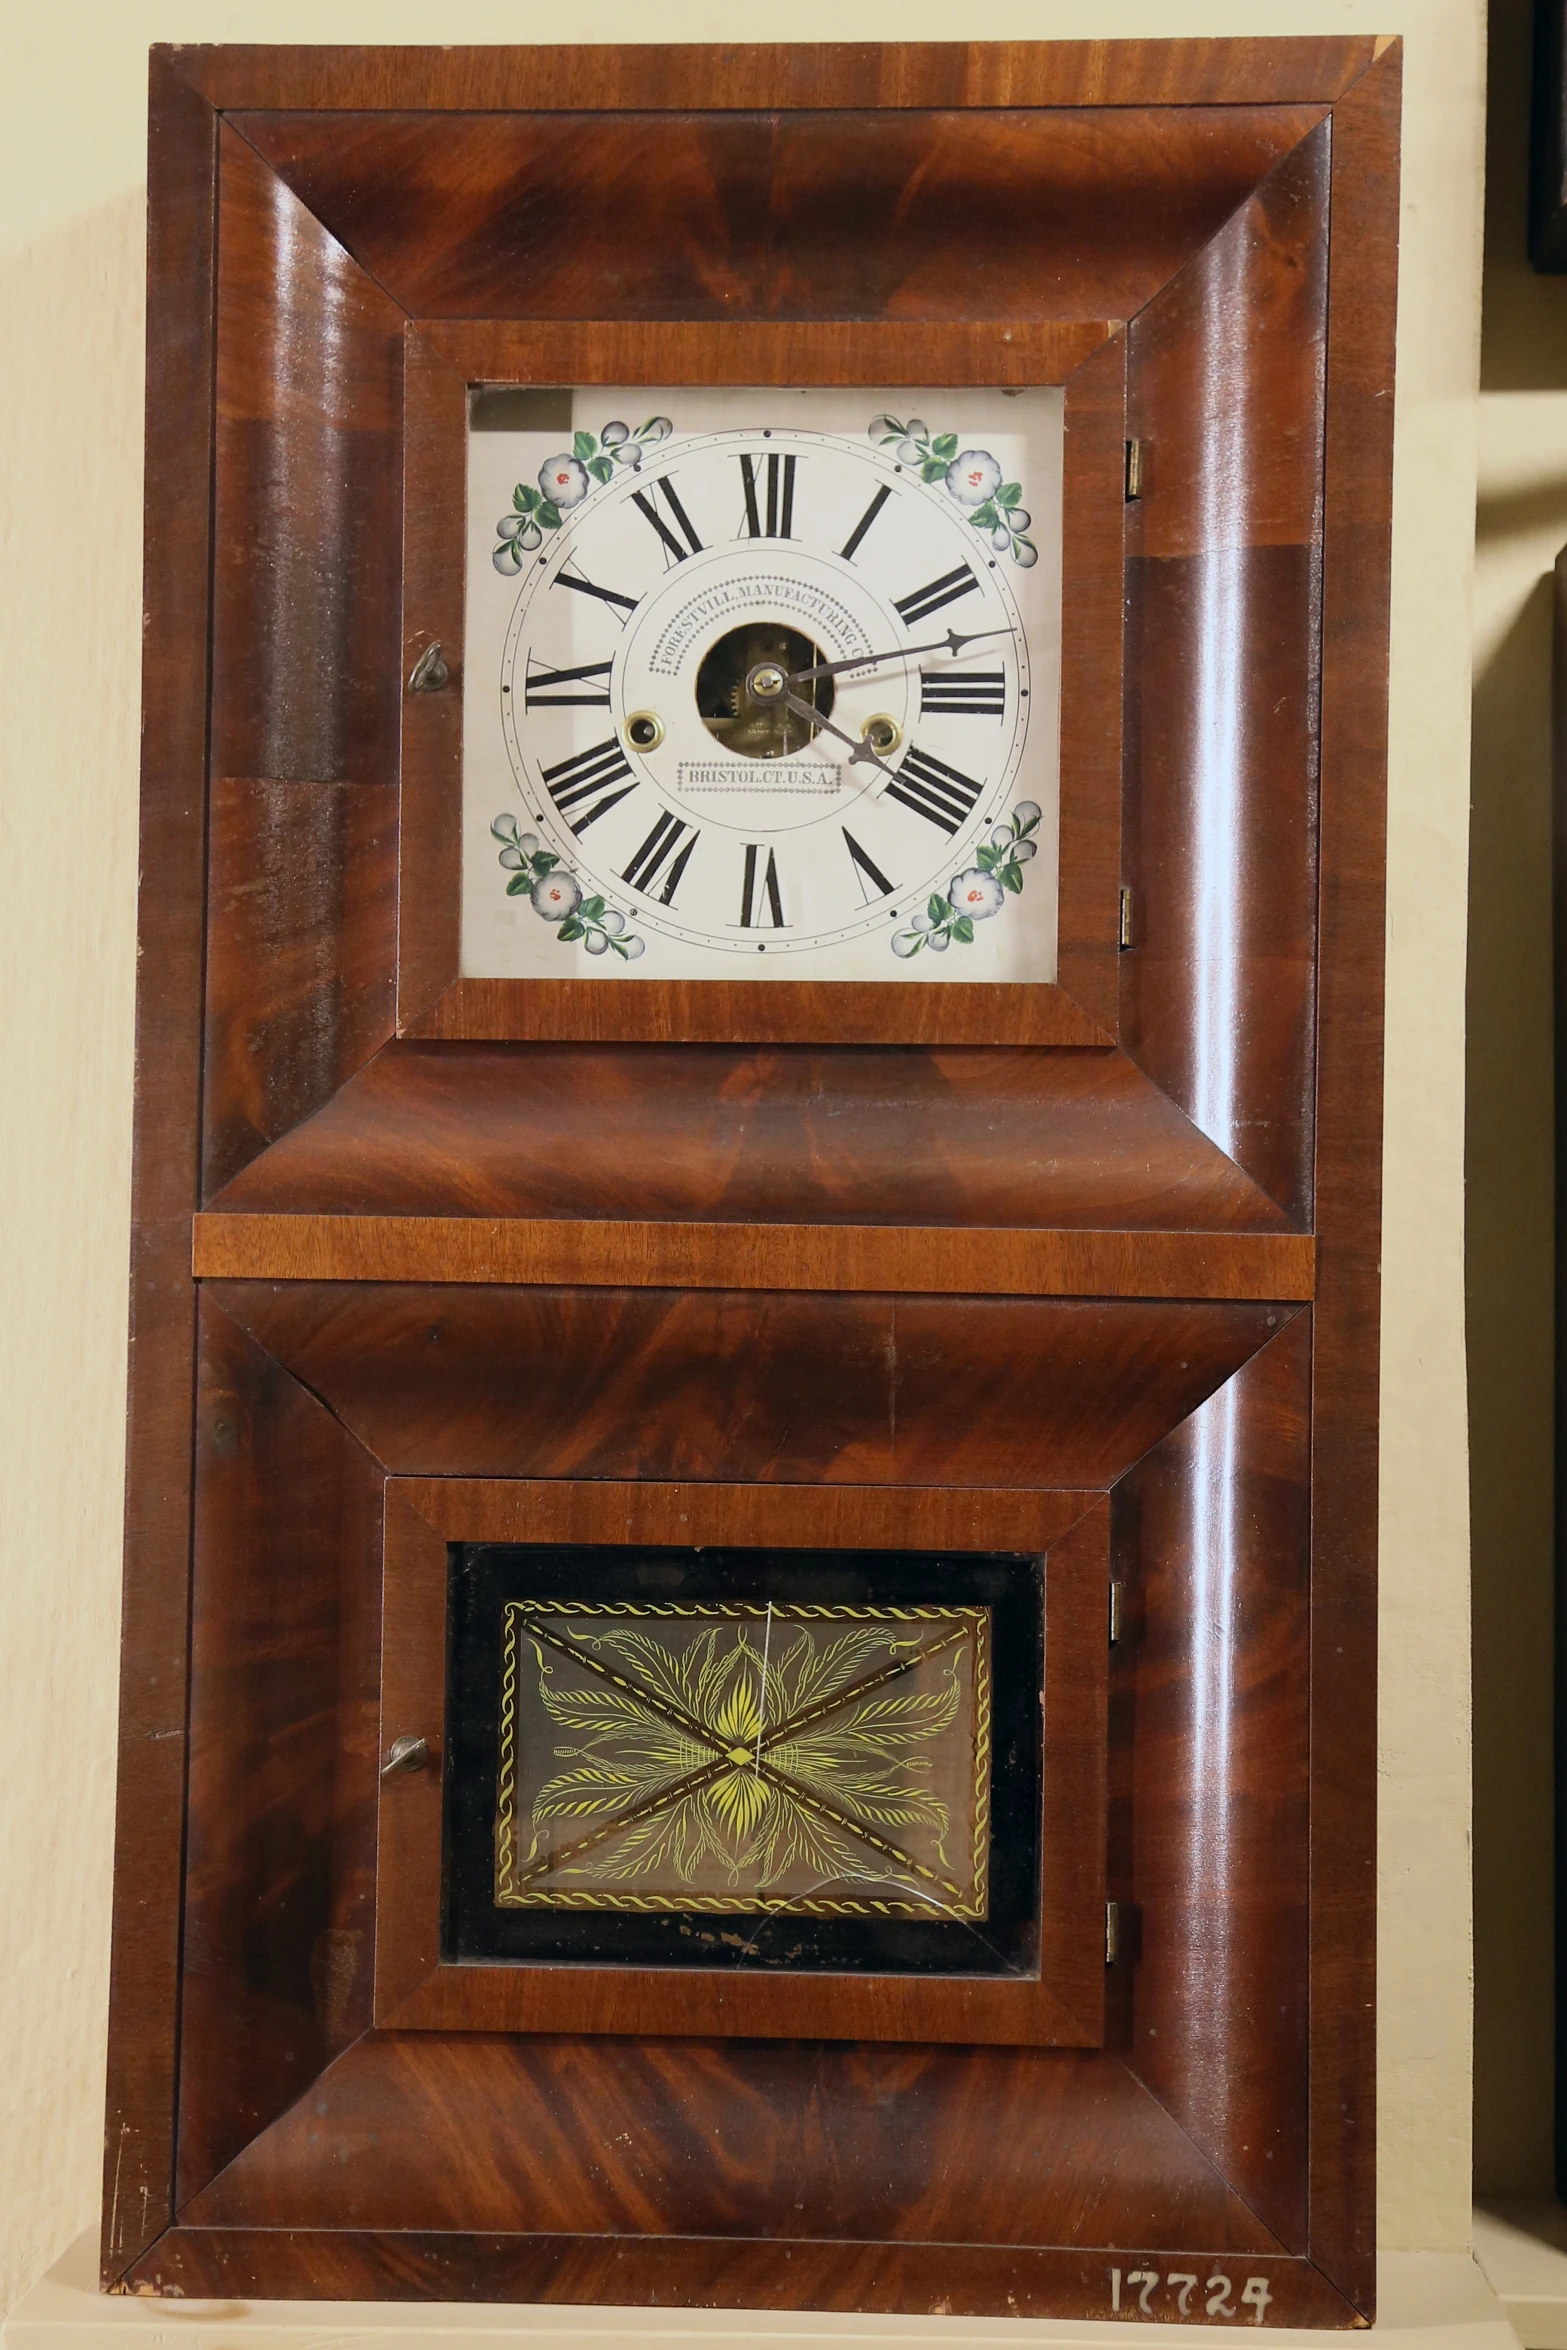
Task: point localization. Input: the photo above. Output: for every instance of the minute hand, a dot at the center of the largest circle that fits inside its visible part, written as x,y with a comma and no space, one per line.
950,643
857,750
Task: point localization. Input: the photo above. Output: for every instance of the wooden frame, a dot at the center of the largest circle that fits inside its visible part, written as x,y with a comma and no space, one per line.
335,1178
1062,2006
1079,1008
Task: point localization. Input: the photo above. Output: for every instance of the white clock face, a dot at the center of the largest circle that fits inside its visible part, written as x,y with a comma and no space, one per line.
763,685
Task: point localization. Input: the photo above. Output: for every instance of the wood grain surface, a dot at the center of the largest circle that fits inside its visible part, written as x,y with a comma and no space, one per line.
670,2271
945,1290
1357,556
682,75
809,1391
961,1138
281,1829
141,2091
1061,2004
1226,394
1070,215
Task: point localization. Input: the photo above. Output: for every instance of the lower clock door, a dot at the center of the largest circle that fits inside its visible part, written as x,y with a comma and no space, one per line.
846,1835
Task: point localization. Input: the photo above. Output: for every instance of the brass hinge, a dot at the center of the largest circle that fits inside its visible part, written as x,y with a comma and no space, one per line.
1112,1932
1116,1590
1124,933
1134,470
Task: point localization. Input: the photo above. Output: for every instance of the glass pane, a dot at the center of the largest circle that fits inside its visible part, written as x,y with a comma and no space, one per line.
747,1757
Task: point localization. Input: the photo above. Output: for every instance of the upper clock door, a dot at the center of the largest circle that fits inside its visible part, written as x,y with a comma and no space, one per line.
762,684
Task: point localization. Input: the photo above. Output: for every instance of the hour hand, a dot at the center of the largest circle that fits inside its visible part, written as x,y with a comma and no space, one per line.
857,750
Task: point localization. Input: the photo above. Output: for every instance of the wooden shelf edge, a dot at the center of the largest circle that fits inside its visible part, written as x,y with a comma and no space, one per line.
599,1253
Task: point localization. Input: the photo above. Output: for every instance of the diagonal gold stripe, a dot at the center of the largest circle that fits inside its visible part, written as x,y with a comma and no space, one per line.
625,1819
857,1689
812,1802
661,1705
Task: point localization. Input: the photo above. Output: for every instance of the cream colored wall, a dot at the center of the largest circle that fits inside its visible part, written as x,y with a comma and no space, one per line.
70,428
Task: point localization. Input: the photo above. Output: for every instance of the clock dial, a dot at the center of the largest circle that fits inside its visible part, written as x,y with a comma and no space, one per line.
774,698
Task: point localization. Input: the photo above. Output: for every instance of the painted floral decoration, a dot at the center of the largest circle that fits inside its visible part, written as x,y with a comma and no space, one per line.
977,893
555,895
971,477
566,479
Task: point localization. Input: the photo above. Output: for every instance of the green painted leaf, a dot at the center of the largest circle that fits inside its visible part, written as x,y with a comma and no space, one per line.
545,861
945,445
548,514
591,908
1023,830
524,498
601,468
1021,541
584,445
1011,877
988,858
622,948
518,883
963,930
985,517
933,469
1010,494
571,928
939,910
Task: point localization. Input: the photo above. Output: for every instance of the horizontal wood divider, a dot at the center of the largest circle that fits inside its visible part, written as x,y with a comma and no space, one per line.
599,1253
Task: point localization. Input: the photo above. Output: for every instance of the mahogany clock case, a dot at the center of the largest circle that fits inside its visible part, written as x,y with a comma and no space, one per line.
1080,1278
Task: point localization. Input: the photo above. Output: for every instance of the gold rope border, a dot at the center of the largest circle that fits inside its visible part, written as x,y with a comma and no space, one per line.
725,1905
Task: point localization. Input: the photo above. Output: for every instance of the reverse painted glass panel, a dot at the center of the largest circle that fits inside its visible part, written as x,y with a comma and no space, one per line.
826,1759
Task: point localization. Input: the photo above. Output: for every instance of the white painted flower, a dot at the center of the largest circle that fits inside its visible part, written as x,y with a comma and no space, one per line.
504,826
556,896
563,480
976,894
596,943
614,923
1001,538
657,428
613,434
634,947
973,476
1019,517
507,557
905,943
917,429
1027,812
883,428
908,452
939,941
1024,552
1024,850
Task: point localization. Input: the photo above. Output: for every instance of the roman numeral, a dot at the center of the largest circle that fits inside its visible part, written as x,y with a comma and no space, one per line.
864,523
668,835
586,587
546,688
777,495
643,500
933,789
977,693
571,781
754,885
865,870
945,590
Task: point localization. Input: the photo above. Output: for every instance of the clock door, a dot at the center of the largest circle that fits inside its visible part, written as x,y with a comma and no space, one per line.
750,1589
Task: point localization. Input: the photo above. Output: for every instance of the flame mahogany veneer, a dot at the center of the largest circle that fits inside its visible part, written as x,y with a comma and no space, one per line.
1088,1271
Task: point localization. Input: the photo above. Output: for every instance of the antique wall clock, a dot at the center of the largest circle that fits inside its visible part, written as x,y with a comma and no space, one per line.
749,1661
